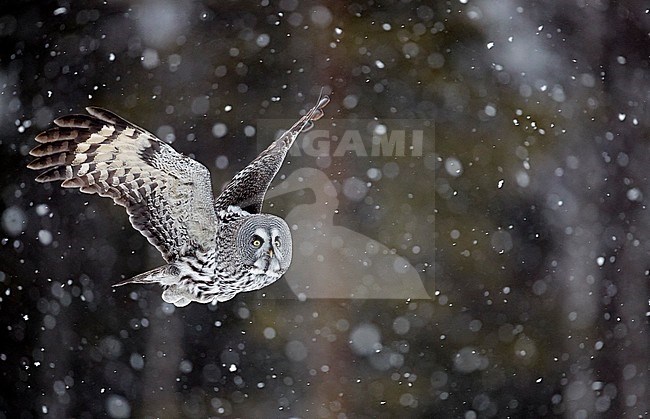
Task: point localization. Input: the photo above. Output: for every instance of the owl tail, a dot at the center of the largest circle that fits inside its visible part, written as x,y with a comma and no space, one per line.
154,276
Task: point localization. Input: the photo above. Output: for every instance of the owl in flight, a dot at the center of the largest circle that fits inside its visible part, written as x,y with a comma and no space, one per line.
214,248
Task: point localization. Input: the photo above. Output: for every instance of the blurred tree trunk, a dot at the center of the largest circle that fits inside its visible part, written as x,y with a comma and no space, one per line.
626,248
164,352
604,300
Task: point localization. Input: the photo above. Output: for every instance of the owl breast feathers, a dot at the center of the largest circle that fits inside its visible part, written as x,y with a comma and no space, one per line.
213,248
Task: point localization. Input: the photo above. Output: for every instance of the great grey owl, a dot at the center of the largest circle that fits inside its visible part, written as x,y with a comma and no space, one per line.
214,249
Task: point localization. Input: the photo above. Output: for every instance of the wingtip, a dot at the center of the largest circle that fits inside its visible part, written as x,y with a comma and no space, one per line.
322,102
101,113
42,138
317,112
108,116
96,110
40,178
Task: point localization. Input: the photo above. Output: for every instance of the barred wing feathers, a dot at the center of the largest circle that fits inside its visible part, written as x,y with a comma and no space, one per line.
167,195
247,189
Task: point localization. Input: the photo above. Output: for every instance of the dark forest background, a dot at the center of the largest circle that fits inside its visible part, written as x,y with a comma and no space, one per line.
526,216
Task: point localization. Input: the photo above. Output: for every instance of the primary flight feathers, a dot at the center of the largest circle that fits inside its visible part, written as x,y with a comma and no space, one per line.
169,199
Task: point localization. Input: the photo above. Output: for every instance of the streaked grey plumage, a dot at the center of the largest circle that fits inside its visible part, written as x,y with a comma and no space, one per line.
214,249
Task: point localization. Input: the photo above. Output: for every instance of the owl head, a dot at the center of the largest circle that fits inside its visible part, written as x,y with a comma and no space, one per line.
264,244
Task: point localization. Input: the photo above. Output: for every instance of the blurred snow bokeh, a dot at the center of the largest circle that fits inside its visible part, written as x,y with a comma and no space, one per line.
524,217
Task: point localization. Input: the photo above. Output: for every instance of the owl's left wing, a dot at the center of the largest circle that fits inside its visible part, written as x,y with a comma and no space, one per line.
247,189
167,195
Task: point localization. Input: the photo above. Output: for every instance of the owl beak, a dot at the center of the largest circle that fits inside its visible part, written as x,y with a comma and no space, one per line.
270,252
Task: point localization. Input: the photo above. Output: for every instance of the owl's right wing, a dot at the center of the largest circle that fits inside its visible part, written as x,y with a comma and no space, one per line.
167,195
247,189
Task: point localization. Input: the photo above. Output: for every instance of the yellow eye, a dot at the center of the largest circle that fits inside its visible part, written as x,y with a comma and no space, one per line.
257,242
277,242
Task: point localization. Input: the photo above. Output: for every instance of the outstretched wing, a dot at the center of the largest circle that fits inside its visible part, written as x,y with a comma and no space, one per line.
246,190
167,195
